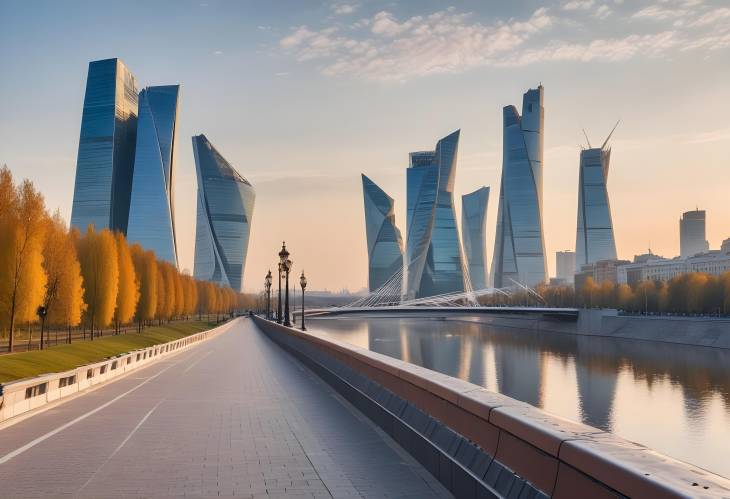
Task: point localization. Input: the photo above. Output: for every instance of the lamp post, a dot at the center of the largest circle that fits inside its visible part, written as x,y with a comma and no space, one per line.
267,285
278,302
42,312
286,266
303,284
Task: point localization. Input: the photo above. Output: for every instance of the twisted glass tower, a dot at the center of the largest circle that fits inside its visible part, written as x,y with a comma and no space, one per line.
105,159
519,247
151,211
473,226
594,238
433,251
225,208
385,245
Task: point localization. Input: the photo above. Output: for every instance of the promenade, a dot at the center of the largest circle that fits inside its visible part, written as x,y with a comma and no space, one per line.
235,416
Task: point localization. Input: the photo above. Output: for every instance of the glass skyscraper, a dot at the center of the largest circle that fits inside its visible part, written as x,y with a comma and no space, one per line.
692,237
594,238
151,211
473,226
385,245
105,160
519,247
433,251
225,208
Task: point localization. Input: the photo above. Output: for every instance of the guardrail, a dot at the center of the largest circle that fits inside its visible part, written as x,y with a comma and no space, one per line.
19,397
483,444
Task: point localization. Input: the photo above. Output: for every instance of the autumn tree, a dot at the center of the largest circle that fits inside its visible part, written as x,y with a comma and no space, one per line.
100,270
128,292
179,309
64,297
145,268
22,232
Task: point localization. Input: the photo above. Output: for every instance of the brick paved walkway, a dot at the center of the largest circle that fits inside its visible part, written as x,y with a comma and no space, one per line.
234,416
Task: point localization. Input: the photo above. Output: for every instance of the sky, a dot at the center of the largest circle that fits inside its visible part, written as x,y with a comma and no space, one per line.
302,96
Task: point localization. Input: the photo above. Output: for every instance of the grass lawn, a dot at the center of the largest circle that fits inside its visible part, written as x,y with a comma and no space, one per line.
64,357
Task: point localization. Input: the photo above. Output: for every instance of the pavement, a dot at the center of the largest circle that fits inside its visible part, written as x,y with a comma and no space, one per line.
235,416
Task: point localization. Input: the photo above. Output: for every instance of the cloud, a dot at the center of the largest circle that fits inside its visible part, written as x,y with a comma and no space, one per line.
386,47
578,5
342,9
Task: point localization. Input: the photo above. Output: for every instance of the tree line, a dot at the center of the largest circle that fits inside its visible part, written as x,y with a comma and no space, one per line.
64,278
691,293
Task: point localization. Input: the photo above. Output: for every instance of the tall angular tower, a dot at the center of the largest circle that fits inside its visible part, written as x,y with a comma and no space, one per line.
594,238
692,236
473,226
151,211
225,208
385,245
105,160
519,246
433,251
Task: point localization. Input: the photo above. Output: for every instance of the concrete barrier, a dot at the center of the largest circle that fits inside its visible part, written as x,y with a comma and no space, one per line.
483,444
24,395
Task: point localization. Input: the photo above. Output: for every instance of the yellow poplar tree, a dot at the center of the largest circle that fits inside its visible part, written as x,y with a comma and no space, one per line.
169,290
179,292
64,298
22,233
100,270
145,267
160,297
128,292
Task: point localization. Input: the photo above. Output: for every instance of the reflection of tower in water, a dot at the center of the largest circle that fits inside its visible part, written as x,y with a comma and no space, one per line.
520,372
596,379
382,340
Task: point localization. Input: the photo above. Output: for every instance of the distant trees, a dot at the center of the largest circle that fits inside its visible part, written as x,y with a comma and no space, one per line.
691,293
95,278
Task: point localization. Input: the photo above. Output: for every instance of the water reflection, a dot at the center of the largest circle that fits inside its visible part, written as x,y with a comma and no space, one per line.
672,398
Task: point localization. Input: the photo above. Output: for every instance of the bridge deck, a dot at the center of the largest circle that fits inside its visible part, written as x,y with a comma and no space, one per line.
235,416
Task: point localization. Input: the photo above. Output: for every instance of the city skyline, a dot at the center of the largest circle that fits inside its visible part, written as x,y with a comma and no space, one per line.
600,76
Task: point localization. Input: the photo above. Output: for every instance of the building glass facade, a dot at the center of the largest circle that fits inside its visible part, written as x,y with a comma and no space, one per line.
473,226
225,207
519,248
692,236
385,245
151,211
594,240
433,252
105,162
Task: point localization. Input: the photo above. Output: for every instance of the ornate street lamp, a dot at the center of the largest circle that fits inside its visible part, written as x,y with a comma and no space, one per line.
286,265
279,273
267,285
303,284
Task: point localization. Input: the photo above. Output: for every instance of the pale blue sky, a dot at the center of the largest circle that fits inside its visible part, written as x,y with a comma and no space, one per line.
302,96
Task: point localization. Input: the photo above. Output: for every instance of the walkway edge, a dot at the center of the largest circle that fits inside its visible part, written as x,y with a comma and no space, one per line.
489,442
26,397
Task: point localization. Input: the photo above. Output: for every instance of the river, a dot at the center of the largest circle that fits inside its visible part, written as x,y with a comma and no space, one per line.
674,399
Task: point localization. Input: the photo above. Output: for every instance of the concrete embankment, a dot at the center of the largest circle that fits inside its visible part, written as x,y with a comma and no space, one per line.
483,444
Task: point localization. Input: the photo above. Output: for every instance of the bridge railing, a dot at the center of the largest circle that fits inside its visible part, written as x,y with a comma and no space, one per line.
483,444
24,395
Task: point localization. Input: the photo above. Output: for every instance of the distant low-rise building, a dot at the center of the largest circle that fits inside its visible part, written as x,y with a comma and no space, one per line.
600,271
712,262
565,265
725,246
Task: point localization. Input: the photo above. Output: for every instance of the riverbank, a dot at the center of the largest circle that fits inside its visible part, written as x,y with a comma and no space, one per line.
65,357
